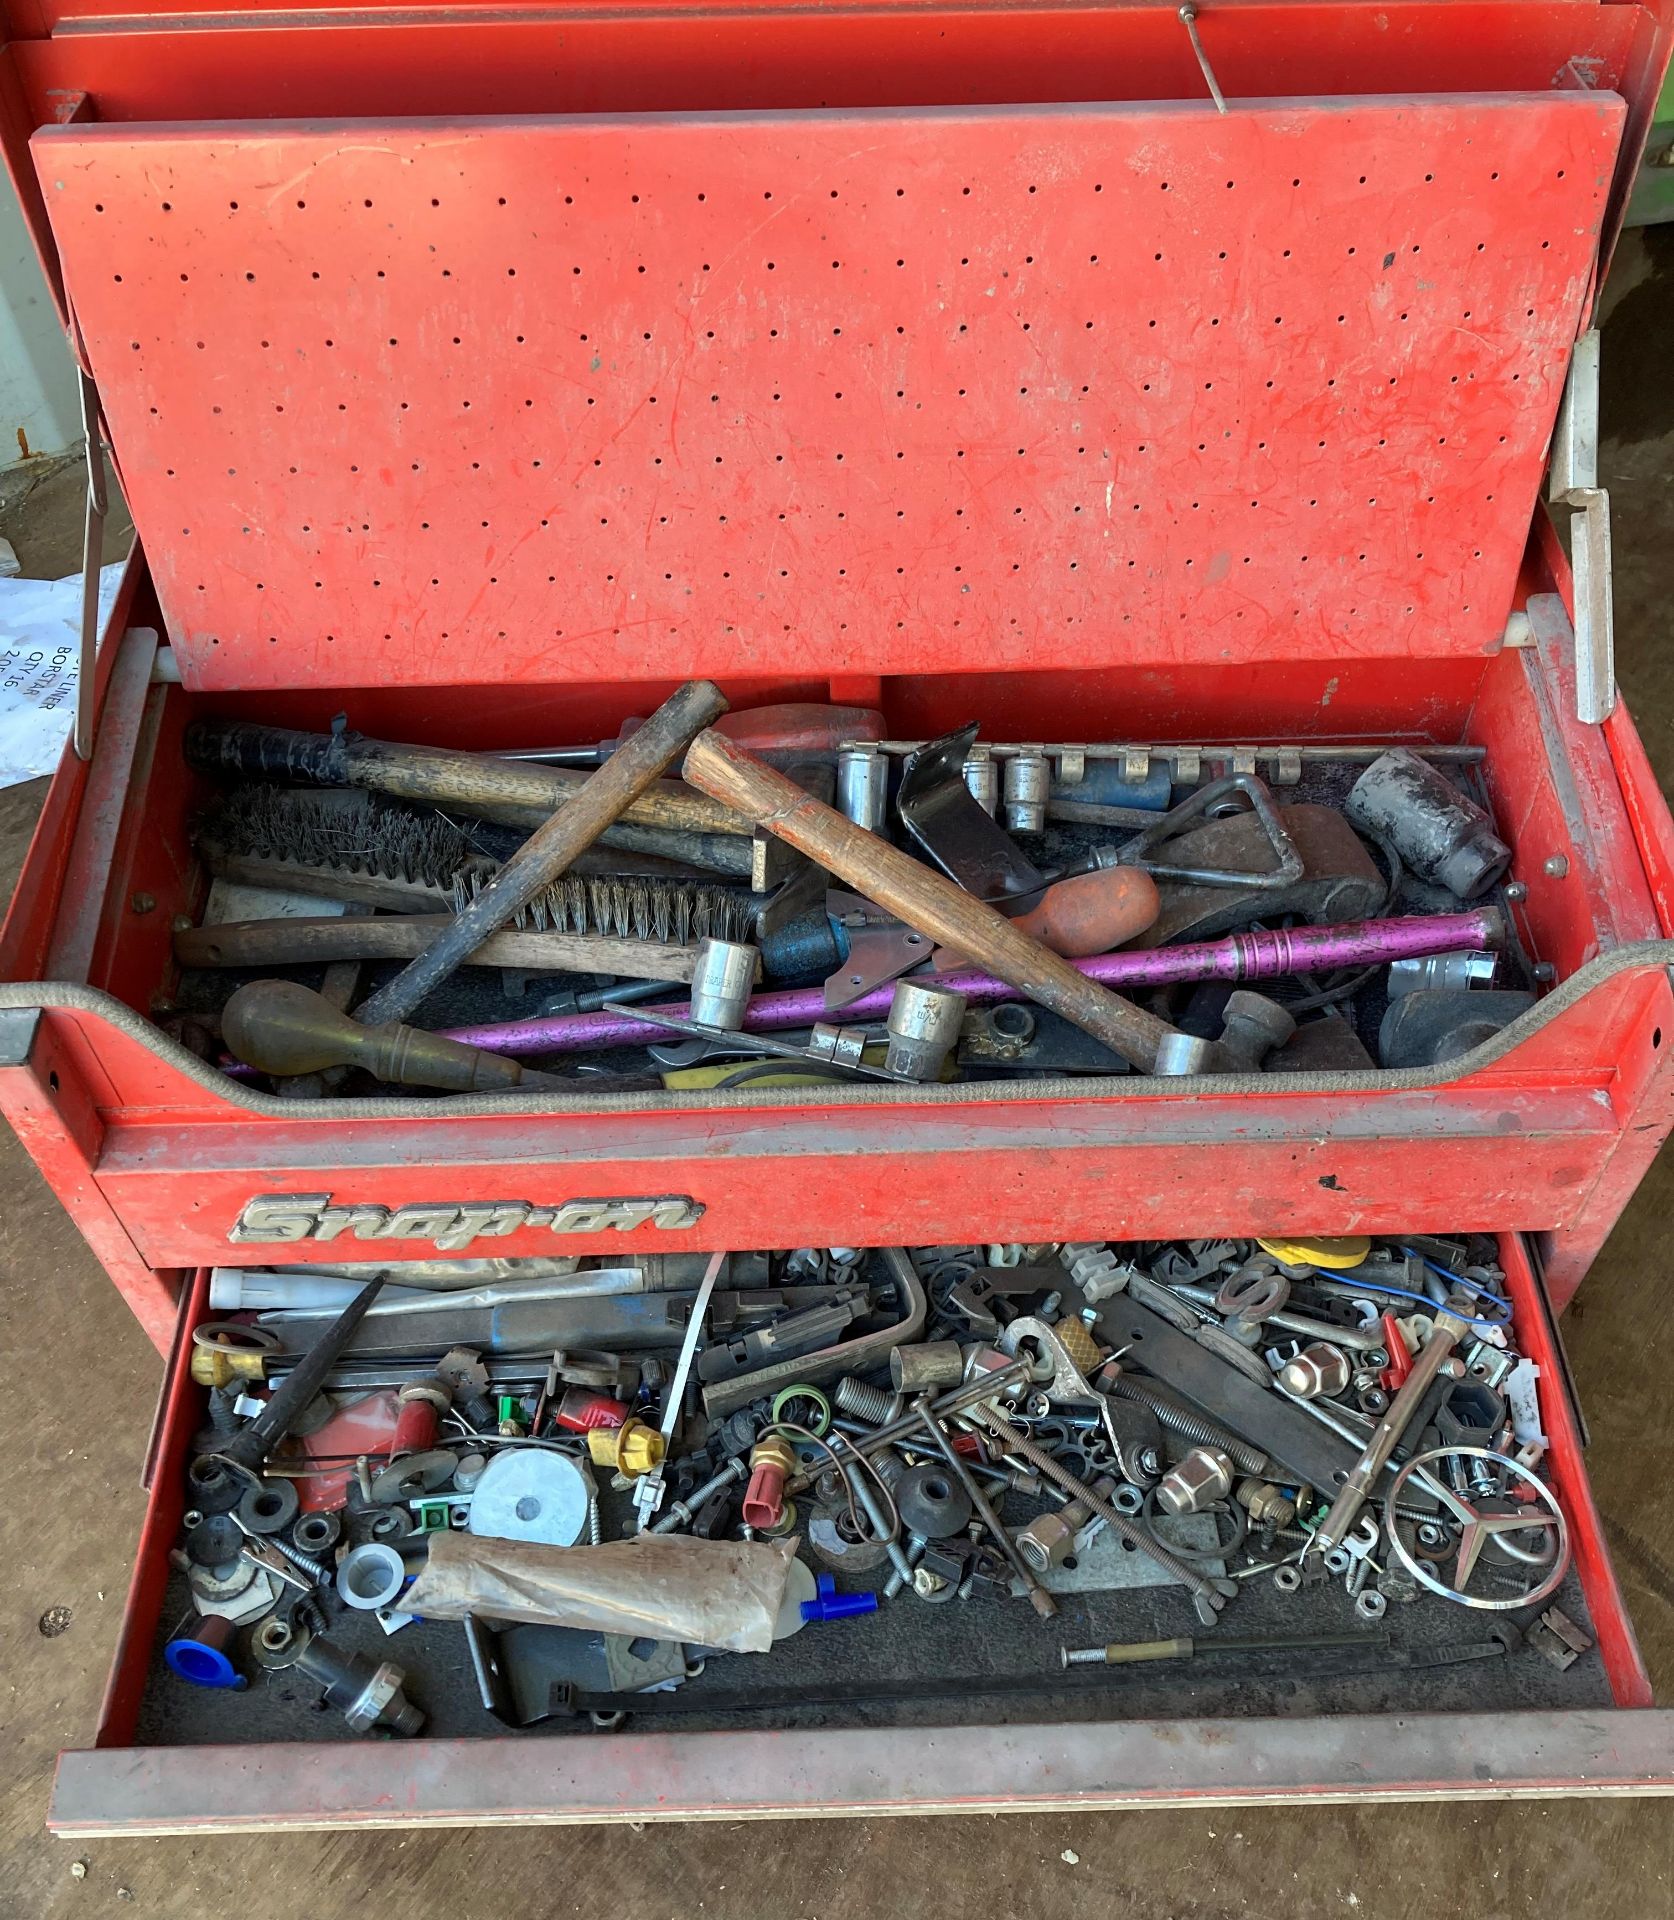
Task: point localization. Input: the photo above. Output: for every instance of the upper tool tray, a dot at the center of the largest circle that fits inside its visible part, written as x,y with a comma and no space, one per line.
414,403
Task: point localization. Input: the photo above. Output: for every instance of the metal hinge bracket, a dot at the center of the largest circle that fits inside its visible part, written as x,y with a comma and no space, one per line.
92,554
1574,484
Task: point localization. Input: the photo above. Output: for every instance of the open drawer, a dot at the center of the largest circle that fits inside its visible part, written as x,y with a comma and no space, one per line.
170,1758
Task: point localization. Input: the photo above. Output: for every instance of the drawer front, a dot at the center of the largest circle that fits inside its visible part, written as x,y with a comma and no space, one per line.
117,1787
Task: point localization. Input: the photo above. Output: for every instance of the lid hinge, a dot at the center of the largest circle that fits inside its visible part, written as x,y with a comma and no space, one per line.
92,554
1574,484
1188,19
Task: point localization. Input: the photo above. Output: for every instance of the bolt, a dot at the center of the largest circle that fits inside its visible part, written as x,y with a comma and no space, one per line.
1516,890
144,903
304,1563
1555,867
897,1580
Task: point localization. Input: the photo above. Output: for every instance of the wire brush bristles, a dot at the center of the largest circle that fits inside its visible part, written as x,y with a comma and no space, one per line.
366,836
634,907
354,832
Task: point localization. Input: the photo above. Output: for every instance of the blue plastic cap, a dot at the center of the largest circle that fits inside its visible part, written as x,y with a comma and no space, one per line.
829,1604
202,1665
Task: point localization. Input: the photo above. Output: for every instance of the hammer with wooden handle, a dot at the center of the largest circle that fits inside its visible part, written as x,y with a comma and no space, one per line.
922,898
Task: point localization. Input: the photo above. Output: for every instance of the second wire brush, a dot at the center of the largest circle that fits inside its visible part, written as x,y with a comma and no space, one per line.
369,851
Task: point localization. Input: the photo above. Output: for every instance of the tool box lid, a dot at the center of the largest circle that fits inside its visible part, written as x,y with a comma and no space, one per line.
821,394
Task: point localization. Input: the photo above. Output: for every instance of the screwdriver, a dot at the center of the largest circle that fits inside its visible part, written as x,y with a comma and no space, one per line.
1123,1652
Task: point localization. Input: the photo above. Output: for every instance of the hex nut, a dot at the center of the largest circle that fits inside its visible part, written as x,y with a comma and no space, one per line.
1318,1371
1198,1481
1046,1541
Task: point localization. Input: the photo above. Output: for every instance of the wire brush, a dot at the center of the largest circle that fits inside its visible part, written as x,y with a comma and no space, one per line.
635,907
360,846
346,832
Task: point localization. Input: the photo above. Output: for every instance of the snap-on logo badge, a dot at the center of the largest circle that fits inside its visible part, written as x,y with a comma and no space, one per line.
311,1216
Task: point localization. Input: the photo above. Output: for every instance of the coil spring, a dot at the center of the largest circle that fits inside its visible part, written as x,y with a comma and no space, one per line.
1176,1419
864,1402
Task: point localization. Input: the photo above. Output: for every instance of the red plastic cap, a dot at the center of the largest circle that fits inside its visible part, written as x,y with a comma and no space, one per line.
581,1411
764,1498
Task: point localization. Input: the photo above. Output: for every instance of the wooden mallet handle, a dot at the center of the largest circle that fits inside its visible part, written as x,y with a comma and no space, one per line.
548,852
922,898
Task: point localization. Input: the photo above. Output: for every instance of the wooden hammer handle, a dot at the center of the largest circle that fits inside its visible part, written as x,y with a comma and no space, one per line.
922,898
548,852
301,943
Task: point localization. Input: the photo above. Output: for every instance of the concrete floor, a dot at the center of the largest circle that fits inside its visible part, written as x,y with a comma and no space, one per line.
76,1388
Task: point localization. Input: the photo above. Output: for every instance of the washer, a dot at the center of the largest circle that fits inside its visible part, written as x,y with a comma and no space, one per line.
530,1495
799,1586
268,1507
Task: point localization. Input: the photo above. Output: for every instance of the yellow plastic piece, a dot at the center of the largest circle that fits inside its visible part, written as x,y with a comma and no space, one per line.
1346,1252
227,1366
631,1449
1079,1344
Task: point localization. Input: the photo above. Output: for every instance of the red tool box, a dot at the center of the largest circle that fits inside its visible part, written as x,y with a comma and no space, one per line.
481,377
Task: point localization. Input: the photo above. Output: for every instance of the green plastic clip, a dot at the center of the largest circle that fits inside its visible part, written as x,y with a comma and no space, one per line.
431,1516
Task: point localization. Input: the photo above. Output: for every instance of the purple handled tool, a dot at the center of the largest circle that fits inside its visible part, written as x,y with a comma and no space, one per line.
1240,956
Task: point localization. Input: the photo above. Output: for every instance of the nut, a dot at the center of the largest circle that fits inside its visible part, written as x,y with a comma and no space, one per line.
1046,1541
1198,1481
1317,1371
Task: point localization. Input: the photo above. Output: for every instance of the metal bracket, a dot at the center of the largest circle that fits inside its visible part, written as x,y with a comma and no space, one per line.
953,830
92,551
1574,484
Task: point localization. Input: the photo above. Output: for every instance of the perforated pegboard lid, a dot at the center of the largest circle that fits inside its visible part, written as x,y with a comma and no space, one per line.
832,393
